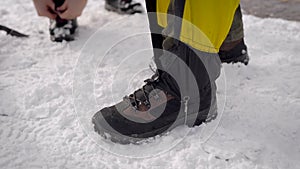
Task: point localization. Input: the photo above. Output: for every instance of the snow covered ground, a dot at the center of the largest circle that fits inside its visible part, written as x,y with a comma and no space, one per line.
43,124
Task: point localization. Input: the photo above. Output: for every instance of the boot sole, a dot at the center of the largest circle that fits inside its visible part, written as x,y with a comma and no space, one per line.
140,138
242,59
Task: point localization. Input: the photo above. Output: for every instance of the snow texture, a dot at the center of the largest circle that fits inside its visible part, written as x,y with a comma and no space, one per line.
42,124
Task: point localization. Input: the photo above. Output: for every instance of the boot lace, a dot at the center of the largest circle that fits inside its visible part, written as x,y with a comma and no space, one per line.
141,96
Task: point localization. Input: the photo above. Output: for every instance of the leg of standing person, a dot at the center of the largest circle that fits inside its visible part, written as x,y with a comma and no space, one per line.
183,92
157,43
234,49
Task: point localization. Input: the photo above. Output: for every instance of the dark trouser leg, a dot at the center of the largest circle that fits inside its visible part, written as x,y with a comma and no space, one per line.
205,68
236,33
156,39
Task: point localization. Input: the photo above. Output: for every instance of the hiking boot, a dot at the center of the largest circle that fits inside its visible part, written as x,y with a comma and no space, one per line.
124,6
136,116
235,54
148,112
62,29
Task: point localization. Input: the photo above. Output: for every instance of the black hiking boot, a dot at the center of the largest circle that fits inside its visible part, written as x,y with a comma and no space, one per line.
136,116
61,29
237,54
123,6
148,112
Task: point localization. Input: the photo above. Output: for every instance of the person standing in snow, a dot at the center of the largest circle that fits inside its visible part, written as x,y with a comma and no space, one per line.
63,14
183,89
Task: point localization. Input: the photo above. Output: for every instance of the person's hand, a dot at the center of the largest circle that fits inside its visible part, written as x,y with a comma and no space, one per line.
45,8
71,9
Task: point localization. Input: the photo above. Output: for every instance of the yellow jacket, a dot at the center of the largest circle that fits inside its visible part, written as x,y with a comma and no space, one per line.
205,23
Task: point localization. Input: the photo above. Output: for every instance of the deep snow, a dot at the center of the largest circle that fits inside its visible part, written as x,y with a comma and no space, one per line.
45,124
